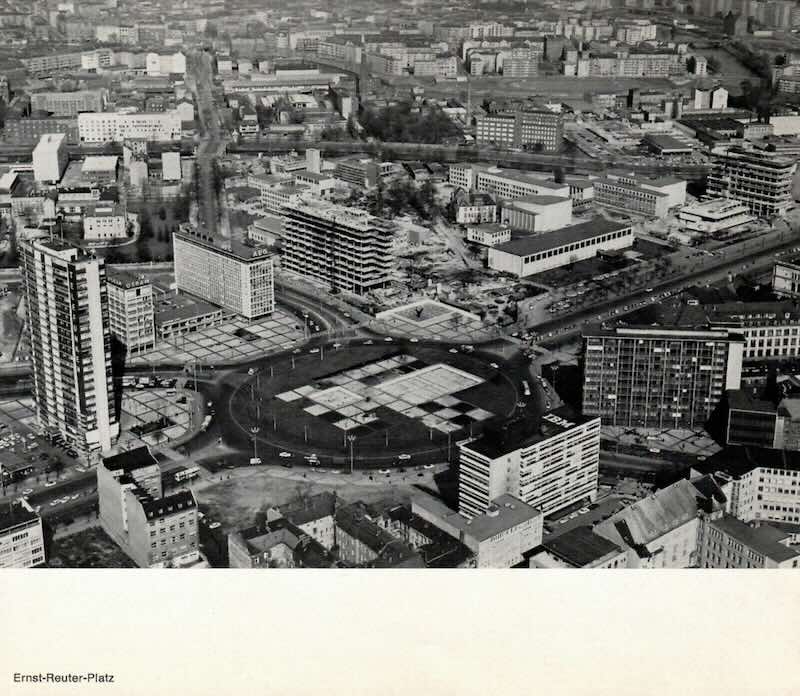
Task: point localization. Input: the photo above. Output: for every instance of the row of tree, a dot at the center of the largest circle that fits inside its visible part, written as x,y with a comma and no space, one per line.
401,123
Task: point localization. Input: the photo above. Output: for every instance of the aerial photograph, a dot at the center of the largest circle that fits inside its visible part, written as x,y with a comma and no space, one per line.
399,285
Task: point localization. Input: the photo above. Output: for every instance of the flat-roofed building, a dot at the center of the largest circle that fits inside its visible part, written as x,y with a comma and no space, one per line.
628,197
769,329
50,158
760,180
508,184
579,547
116,127
531,129
69,103
67,306
488,234
658,377
344,248
105,221
528,255
548,467
130,311
714,216
238,276
537,213
154,530
21,536
100,169
498,537
320,185
786,276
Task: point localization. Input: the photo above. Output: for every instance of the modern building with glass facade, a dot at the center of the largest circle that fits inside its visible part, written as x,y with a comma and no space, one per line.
658,377
130,309
67,305
237,276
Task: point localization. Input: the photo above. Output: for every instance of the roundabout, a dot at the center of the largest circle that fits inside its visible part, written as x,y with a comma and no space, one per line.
372,404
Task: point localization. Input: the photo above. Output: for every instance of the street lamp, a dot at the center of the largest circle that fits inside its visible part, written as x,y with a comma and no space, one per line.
254,430
351,439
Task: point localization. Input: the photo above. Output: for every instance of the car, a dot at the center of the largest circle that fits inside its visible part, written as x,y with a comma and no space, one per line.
428,466
655,450
337,345
255,461
27,491
494,366
563,520
53,503
75,496
368,342
215,525
452,350
296,351
388,339
314,350
82,469
413,340
72,453
336,471
385,471
573,515
49,484
649,290
583,510
285,454
251,371
404,457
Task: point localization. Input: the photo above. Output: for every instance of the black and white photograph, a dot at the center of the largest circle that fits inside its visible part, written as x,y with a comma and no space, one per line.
361,290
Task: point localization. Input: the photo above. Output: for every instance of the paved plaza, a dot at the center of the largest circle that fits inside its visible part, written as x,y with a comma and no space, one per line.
428,319
234,341
147,406
697,443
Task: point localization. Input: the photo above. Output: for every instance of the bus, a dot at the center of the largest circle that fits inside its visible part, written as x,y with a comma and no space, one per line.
187,474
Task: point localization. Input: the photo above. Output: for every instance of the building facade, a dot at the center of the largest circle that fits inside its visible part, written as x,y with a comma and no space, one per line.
67,306
238,277
130,311
550,469
658,377
535,129
21,536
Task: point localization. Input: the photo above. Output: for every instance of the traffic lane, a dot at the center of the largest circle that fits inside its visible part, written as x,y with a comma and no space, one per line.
77,484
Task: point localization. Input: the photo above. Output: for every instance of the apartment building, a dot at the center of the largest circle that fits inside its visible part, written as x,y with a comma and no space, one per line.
488,234
21,536
344,248
116,127
760,180
531,129
238,276
442,66
474,208
50,157
362,172
154,530
165,63
542,252
276,543
504,184
550,468
105,222
26,131
69,103
344,47
727,542
498,537
130,311
759,484
67,305
663,529
658,377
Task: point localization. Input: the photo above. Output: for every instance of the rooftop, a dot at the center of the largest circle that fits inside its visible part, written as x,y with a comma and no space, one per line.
534,199
130,460
100,163
580,546
574,233
737,461
240,250
308,509
125,279
14,514
307,552
168,505
763,539
505,512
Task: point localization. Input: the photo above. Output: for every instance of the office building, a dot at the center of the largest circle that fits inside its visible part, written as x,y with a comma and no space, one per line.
553,466
786,276
50,158
21,536
362,172
758,483
714,216
67,305
68,103
105,222
154,530
510,184
116,127
238,276
488,234
527,256
727,542
537,213
770,329
531,130
27,131
658,377
130,311
344,248
752,422
760,180
630,198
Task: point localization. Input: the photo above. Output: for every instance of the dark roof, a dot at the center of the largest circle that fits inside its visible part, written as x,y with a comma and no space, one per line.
305,510
513,435
567,235
307,552
168,505
441,550
15,514
763,539
353,520
740,400
737,460
131,460
580,546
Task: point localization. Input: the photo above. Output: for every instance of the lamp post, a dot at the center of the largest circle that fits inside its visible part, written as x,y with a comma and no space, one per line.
254,430
351,439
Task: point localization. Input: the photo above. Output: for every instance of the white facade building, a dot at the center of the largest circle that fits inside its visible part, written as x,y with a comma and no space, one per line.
50,158
21,536
115,127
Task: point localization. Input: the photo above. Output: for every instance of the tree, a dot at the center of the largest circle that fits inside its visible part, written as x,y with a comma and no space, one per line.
58,467
162,213
558,175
